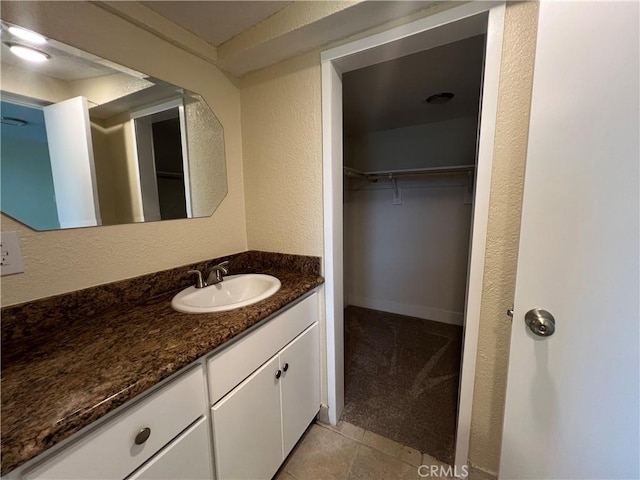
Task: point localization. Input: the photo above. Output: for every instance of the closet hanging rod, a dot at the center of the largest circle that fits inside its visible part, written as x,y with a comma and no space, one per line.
352,172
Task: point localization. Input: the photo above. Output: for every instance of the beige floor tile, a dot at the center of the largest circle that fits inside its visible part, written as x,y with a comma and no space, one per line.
328,426
350,430
428,460
345,428
477,474
282,475
381,443
321,455
410,455
371,464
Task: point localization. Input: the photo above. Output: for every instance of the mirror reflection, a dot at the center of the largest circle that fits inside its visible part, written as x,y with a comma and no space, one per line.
87,142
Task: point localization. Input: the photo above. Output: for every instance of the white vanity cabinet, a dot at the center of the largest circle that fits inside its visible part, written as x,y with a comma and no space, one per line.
299,386
247,427
258,422
157,424
264,390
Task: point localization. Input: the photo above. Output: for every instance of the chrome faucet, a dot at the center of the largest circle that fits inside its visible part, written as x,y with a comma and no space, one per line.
199,282
217,273
215,276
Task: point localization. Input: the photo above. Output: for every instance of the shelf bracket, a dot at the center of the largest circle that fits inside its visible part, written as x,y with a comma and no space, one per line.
397,194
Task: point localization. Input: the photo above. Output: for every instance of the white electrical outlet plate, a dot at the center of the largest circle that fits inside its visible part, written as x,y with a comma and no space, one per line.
11,257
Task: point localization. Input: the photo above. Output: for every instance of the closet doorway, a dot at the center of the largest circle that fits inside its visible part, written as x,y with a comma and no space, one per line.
441,209
410,135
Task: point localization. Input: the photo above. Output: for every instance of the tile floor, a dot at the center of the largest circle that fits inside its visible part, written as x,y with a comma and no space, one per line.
348,452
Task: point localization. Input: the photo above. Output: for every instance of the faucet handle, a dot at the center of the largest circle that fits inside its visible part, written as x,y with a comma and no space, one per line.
199,282
222,265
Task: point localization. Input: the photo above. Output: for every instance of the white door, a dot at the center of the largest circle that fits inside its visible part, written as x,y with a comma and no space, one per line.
72,167
300,386
572,398
247,427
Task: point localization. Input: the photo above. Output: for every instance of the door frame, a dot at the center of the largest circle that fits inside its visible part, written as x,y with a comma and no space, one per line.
142,113
441,28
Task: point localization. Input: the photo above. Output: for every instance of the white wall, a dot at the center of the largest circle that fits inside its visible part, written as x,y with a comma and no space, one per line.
409,259
435,144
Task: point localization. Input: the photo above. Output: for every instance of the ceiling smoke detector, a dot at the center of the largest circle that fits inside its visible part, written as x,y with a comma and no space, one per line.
439,98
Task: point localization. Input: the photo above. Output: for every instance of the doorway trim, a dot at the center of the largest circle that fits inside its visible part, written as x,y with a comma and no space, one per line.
441,28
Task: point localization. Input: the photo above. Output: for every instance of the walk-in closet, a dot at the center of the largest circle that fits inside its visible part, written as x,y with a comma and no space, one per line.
410,135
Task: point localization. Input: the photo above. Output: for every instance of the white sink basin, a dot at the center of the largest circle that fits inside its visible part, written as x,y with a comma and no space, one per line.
233,292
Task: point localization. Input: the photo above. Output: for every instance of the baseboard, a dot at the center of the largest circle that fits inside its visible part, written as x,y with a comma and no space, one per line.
323,414
418,311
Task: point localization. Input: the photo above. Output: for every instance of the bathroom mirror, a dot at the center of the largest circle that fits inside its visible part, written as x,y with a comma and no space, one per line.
87,142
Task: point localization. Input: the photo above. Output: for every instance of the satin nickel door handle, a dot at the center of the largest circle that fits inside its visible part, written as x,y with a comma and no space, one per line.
540,322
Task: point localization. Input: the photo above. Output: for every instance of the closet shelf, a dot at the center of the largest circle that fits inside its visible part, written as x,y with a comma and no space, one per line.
391,174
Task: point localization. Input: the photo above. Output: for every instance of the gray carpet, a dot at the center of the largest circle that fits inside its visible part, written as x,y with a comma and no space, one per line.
401,379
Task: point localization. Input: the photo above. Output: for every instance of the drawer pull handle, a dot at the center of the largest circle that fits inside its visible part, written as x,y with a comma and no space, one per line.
285,367
143,435
278,373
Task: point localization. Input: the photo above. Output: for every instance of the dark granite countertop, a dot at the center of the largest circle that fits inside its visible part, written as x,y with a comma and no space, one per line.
65,367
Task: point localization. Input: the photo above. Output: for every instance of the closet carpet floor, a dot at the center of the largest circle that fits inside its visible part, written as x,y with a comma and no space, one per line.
401,379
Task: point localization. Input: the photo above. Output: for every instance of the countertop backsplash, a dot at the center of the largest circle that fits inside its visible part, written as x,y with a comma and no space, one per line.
46,314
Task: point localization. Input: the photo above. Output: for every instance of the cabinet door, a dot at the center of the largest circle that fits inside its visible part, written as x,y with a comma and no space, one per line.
247,427
188,457
300,363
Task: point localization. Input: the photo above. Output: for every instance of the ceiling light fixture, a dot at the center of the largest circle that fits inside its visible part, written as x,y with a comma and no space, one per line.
28,53
27,35
439,98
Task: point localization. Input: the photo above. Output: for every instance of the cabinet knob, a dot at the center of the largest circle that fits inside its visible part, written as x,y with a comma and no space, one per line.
285,367
278,373
143,435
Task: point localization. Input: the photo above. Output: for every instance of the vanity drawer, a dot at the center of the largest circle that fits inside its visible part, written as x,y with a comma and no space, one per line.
188,457
111,452
232,365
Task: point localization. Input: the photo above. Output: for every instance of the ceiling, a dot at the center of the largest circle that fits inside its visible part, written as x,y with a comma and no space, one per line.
392,94
245,36
216,21
384,96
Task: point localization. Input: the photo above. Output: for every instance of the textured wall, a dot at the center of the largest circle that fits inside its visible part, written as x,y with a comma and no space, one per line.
21,81
282,131
282,154
501,257
107,88
62,261
420,248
